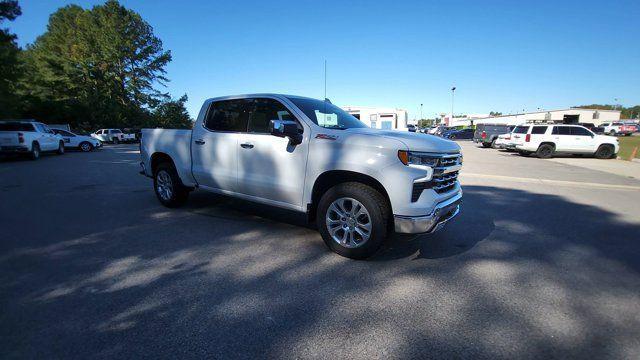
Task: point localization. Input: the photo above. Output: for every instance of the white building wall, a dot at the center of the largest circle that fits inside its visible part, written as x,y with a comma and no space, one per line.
596,117
379,117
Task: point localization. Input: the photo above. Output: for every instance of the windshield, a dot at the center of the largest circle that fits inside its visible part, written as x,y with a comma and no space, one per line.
326,114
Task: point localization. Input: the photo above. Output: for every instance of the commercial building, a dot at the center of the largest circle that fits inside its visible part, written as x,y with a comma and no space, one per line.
380,117
566,116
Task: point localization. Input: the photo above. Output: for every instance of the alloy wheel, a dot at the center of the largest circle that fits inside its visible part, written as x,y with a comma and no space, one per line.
348,222
164,185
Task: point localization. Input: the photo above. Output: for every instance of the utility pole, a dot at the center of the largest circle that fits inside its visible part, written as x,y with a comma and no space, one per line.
420,111
453,89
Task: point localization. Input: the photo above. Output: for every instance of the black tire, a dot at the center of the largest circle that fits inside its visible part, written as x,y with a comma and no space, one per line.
486,145
605,152
60,150
545,151
612,133
35,151
177,194
452,137
378,218
493,144
116,141
85,146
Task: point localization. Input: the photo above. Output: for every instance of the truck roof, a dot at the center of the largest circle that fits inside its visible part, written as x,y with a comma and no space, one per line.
241,96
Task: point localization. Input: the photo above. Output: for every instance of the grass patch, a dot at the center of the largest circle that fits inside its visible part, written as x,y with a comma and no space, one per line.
627,143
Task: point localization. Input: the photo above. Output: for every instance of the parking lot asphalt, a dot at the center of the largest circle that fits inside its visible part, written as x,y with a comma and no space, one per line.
543,262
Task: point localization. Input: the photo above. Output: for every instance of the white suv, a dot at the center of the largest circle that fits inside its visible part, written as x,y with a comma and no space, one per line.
545,140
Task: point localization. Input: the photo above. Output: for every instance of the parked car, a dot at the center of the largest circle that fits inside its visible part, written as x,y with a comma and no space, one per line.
593,128
310,156
114,136
29,138
459,134
504,142
548,140
618,128
81,142
487,134
411,128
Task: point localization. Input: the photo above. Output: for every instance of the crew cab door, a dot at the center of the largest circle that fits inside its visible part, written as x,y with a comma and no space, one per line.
214,144
583,138
270,167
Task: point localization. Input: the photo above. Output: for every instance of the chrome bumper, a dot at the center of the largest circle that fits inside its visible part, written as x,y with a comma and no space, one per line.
442,213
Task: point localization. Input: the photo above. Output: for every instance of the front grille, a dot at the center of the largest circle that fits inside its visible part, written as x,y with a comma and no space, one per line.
441,181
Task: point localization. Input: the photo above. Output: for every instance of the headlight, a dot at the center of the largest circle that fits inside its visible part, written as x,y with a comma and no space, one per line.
417,158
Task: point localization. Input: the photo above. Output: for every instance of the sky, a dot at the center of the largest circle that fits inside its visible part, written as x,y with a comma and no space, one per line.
506,56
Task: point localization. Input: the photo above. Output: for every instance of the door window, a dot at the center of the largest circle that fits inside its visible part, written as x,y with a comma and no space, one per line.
265,110
228,115
561,130
539,130
580,131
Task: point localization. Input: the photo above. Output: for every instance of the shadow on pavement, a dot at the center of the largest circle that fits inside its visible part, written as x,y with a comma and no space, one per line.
517,275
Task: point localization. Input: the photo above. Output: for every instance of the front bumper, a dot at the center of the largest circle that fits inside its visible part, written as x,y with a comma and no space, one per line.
442,213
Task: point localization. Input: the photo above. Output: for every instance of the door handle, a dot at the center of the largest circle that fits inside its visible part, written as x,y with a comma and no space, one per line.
199,142
247,146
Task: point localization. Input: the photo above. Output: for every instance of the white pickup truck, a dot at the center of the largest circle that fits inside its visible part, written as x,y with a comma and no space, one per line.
28,137
114,136
310,156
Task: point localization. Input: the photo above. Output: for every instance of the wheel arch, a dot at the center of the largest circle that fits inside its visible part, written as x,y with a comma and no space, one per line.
159,158
331,178
548,143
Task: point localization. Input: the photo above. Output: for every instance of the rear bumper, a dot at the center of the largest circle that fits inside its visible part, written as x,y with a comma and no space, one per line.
442,213
13,149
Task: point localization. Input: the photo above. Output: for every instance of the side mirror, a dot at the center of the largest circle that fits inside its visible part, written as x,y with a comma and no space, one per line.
286,128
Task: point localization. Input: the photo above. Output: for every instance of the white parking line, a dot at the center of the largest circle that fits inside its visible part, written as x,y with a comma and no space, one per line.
550,182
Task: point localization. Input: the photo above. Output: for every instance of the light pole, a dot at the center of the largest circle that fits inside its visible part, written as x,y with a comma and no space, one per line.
453,89
420,111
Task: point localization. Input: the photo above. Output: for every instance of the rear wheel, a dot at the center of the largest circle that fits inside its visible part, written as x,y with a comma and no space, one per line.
545,151
86,147
352,219
60,150
168,187
35,151
604,152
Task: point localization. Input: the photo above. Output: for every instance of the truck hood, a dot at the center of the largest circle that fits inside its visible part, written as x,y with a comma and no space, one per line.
413,141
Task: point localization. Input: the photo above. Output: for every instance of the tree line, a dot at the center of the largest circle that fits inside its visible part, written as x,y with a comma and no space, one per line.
92,68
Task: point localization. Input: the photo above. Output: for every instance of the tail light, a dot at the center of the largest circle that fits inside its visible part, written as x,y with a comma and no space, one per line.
527,138
483,135
20,138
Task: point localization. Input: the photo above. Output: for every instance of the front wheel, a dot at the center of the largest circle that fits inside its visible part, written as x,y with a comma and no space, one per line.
168,187
352,219
116,141
612,133
604,152
86,147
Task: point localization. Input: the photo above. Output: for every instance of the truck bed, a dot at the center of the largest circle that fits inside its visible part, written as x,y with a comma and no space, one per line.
175,143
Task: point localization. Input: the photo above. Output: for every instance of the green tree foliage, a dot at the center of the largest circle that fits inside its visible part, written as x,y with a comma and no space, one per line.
172,114
96,68
9,64
495,113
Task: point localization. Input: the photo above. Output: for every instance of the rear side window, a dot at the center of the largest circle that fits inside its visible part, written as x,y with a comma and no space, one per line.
16,127
228,115
521,129
265,110
561,130
539,130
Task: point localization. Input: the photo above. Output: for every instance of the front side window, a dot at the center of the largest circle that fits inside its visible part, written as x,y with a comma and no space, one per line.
539,130
327,115
228,115
520,130
580,131
265,110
